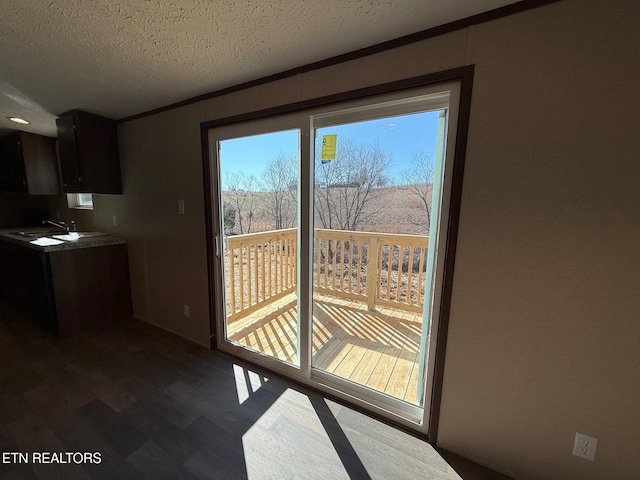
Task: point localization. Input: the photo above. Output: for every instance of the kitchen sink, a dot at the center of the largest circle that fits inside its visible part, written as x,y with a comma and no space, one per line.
73,236
91,234
33,234
56,234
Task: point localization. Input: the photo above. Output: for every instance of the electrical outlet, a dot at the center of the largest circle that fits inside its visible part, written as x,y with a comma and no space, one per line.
114,220
585,446
181,207
185,310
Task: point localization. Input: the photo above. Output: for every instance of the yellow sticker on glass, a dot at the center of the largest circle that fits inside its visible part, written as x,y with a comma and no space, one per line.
329,147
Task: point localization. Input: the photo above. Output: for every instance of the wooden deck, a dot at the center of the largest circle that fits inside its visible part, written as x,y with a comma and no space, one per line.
375,349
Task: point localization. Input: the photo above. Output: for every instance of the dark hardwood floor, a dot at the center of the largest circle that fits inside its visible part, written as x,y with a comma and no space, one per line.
156,406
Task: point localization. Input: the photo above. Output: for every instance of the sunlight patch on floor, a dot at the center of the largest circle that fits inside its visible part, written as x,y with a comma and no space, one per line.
247,382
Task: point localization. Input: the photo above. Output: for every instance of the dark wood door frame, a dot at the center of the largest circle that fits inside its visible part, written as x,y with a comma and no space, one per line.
464,75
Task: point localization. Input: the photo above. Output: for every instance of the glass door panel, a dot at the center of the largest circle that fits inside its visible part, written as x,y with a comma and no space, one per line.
373,209
259,213
330,234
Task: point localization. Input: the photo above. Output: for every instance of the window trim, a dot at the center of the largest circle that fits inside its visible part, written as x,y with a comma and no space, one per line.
75,201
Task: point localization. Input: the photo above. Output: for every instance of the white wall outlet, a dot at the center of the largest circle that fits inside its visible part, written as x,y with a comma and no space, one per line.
585,446
181,207
185,310
114,220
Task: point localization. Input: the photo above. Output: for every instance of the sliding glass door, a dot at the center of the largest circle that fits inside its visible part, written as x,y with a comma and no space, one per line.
259,205
329,249
375,177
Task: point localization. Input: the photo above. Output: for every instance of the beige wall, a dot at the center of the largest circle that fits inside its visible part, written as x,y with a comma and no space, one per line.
544,337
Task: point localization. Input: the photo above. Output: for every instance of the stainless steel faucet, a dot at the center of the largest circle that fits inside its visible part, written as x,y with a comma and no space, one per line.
68,228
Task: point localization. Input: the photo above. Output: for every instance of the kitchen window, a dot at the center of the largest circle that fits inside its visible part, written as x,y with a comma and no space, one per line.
82,201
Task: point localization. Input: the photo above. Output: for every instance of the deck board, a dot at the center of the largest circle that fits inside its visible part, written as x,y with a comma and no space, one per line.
377,349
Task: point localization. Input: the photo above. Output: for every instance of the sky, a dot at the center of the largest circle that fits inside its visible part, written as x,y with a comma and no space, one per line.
399,136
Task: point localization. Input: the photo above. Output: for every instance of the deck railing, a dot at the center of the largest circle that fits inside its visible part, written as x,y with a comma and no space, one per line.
263,269
375,268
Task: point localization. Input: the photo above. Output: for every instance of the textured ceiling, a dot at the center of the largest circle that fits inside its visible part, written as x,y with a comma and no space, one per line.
119,58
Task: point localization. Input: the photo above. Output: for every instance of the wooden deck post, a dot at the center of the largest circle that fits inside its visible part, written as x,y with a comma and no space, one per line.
372,273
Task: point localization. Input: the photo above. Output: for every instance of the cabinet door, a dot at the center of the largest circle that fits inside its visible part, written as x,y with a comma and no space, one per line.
12,175
97,142
25,282
40,164
91,287
69,159
89,156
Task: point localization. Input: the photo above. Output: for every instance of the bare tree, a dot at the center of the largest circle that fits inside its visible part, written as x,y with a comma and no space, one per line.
281,182
419,181
229,216
347,186
241,191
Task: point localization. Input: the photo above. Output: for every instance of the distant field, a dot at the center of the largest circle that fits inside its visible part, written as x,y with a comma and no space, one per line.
394,210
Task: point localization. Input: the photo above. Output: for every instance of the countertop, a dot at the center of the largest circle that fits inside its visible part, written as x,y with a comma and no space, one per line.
93,240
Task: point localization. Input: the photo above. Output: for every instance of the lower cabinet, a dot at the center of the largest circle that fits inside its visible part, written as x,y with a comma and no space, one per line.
25,280
68,291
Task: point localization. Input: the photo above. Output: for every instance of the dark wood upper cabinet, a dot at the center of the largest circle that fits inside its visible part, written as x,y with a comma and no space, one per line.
89,156
28,164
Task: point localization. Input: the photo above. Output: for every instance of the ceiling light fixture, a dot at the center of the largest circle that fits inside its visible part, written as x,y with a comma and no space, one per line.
18,120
